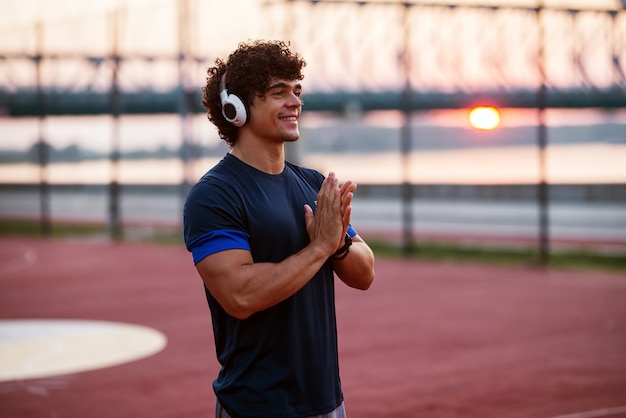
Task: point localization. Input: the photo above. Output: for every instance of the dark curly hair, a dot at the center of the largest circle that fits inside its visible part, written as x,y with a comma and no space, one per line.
250,69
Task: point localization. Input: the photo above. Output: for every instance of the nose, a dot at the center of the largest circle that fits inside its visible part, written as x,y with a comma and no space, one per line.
294,100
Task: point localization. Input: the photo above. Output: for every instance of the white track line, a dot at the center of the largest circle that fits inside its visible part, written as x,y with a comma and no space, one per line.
597,413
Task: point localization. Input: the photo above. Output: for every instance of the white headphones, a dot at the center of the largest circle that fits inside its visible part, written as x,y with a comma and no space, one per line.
233,108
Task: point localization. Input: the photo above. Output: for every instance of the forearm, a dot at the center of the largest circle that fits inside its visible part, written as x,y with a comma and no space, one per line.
253,287
357,269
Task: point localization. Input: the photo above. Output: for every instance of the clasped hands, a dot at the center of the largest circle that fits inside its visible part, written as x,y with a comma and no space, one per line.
330,221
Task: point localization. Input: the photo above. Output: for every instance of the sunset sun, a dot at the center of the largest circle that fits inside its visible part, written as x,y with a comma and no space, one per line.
484,118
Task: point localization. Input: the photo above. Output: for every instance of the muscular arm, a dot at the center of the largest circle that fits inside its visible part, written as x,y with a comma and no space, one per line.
243,287
357,269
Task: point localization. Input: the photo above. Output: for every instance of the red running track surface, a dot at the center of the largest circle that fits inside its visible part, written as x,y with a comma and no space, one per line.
427,340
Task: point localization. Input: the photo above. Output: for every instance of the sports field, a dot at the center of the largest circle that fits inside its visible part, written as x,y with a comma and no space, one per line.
427,340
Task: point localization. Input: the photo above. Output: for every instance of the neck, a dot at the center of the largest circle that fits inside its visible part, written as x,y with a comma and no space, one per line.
270,160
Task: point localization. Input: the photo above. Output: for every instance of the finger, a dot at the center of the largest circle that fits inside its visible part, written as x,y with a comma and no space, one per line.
329,185
346,201
328,213
308,214
336,192
348,187
323,191
346,218
332,190
347,191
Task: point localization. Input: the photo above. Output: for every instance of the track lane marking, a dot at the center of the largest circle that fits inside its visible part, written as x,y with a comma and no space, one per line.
606,412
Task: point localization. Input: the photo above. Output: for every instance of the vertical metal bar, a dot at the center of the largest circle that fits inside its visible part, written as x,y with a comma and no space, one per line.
184,96
115,229
292,149
42,145
619,78
542,191
406,146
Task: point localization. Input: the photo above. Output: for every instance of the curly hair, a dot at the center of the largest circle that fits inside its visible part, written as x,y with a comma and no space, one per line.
250,69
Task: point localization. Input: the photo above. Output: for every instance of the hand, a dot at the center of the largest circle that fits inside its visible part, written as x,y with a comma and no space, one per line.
346,192
326,225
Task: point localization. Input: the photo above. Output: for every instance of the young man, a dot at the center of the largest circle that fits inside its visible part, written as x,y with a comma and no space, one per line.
267,238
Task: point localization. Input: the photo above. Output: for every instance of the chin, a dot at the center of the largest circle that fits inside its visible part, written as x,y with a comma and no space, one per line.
292,138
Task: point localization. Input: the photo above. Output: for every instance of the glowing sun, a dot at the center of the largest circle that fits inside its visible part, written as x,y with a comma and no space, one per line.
484,118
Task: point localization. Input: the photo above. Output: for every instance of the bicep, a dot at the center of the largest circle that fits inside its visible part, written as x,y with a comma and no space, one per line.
219,272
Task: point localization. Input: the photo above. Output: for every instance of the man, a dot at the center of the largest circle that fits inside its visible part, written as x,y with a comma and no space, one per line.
267,237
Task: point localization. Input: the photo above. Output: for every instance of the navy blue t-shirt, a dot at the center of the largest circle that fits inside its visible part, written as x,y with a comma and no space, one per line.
281,362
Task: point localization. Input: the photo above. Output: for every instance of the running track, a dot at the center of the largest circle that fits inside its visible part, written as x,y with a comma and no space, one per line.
427,340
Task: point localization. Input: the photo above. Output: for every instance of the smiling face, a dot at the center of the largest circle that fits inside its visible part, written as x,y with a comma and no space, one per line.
274,116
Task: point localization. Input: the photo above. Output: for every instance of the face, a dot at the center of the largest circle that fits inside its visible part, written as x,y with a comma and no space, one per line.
275,115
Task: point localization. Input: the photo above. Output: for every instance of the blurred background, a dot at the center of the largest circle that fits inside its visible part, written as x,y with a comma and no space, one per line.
483,123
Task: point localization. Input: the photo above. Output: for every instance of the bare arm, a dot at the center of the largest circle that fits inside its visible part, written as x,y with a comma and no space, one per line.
243,287
357,269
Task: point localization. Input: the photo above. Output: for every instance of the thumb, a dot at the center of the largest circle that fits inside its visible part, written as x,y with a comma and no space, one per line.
308,215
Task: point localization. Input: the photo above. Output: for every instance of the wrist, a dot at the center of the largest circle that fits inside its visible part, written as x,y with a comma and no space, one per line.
320,249
343,252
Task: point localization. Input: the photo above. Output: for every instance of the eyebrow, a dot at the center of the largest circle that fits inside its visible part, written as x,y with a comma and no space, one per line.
282,84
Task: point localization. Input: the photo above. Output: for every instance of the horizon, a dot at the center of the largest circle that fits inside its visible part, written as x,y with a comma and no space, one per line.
151,132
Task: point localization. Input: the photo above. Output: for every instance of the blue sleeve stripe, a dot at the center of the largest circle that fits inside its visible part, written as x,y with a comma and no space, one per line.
216,241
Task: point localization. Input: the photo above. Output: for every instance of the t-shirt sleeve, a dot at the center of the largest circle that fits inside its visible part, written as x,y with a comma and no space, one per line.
213,222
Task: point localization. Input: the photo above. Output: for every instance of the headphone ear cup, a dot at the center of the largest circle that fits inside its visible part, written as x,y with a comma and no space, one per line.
235,110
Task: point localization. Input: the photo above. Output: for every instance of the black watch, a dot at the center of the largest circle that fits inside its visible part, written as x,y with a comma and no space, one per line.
342,253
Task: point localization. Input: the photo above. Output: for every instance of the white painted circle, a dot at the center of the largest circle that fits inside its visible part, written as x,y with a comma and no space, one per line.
41,348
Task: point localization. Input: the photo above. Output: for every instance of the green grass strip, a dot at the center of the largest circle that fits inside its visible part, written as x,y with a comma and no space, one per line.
427,251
